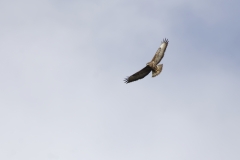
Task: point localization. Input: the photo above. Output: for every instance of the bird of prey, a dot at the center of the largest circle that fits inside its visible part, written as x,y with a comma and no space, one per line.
151,66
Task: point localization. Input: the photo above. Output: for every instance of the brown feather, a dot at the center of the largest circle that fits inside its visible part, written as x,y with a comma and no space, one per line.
139,75
159,49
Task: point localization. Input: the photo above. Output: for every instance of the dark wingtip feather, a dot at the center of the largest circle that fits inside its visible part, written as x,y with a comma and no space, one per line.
126,80
165,40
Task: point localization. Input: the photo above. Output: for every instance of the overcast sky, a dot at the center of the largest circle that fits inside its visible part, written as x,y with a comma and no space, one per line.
62,65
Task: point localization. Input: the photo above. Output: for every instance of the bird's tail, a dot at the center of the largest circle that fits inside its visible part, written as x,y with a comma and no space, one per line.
157,71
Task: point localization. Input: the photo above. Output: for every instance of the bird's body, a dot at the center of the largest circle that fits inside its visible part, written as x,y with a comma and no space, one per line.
151,66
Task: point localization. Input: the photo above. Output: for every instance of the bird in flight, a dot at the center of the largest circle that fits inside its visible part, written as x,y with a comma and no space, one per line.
151,66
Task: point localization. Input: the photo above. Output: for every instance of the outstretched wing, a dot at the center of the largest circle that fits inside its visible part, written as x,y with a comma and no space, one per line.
160,52
139,75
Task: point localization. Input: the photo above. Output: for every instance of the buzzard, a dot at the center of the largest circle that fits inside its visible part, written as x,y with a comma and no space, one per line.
151,66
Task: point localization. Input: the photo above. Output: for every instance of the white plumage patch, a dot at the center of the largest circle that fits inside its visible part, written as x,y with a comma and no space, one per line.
163,45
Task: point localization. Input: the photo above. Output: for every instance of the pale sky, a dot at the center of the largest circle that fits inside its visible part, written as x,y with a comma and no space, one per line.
62,66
